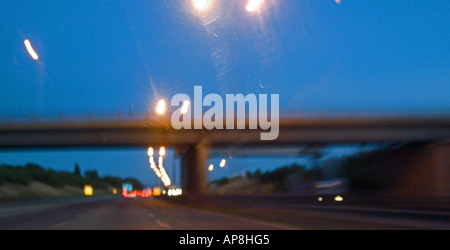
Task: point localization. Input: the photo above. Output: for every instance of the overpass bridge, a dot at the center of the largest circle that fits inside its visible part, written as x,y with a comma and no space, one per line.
195,145
292,132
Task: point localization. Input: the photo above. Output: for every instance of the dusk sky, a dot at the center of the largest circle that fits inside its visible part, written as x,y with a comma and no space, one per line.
323,57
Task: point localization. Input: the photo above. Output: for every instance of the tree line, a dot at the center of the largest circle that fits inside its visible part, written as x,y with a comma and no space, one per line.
25,175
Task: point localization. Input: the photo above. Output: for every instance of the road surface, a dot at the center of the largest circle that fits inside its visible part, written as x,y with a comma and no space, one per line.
117,213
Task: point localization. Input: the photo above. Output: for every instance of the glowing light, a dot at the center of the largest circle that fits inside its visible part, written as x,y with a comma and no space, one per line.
150,151
88,190
154,167
223,163
164,177
254,5
114,191
161,107
211,167
147,192
320,199
156,191
175,192
30,50
185,107
329,185
159,170
202,5
338,198
162,151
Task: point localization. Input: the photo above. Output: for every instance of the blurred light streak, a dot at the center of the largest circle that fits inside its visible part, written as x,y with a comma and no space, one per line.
30,49
159,170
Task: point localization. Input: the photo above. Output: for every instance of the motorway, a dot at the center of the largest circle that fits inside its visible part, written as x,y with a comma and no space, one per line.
116,213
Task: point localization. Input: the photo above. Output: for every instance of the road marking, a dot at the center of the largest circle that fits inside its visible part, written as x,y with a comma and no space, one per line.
162,224
236,217
13,211
263,223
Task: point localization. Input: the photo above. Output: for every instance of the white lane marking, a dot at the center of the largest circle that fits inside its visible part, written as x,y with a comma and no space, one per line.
263,223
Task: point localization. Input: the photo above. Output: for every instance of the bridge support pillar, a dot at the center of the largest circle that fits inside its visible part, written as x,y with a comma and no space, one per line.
427,173
194,170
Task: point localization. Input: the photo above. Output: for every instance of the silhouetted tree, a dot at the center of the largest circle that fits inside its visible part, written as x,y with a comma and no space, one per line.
257,174
91,174
113,181
77,171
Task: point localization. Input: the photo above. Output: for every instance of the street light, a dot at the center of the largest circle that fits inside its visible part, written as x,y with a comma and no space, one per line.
202,5
211,167
150,151
162,151
223,163
161,107
254,5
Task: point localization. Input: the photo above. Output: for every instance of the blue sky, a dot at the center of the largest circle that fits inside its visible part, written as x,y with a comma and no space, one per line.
109,56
